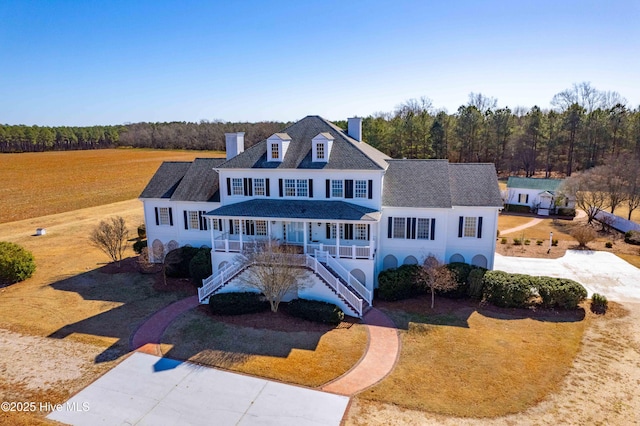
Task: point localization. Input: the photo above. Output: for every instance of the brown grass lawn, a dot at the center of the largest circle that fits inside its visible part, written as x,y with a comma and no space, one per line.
462,360
39,184
275,346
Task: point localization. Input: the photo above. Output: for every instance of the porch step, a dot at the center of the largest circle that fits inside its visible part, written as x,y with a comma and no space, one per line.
347,285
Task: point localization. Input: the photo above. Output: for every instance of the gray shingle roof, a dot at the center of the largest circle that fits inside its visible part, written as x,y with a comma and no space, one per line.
417,183
298,209
346,153
440,184
474,184
550,185
166,179
200,183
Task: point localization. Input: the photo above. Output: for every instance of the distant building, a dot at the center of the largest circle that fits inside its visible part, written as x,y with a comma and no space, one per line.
540,195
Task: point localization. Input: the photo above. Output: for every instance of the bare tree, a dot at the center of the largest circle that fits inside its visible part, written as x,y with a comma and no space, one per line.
111,236
630,169
274,270
437,276
589,192
584,234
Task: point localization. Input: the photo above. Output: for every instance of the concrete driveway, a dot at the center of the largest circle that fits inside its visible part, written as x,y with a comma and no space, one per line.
598,271
149,390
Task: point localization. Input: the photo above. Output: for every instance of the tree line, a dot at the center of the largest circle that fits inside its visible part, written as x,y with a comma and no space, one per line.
584,127
204,135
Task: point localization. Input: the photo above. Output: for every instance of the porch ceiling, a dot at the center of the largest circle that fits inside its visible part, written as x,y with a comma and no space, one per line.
298,209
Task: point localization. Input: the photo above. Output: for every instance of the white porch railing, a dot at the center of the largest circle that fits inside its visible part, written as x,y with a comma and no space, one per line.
343,251
349,278
335,283
214,282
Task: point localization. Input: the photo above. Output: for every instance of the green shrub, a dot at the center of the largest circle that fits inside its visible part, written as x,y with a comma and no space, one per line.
503,240
177,261
599,303
517,242
238,303
508,290
527,242
314,310
142,231
517,208
399,283
16,263
461,271
567,212
539,242
554,242
139,245
475,282
608,244
200,266
560,292
632,237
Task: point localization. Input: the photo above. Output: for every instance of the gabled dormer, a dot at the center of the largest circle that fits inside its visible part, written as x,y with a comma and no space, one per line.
277,146
321,147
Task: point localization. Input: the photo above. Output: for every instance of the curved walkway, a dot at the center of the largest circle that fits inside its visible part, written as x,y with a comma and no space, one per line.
532,222
377,362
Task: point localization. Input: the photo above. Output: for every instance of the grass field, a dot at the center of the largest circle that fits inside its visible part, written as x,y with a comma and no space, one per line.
39,184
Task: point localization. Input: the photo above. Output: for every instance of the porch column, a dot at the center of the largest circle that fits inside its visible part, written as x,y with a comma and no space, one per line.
210,225
240,233
304,244
338,240
269,236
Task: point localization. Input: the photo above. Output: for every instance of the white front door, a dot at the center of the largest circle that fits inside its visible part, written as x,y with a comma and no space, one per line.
295,232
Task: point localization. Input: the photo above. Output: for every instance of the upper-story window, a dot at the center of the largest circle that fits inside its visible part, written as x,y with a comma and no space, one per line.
275,151
321,147
337,188
296,188
164,216
237,187
320,151
469,227
411,228
422,232
259,186
361,189
195,220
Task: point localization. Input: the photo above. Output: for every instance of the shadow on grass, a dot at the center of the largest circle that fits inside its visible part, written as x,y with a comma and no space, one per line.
407,314
137,296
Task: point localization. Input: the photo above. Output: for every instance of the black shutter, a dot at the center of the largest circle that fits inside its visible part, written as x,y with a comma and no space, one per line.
230,226
220,225
413,228
328,231
170,216
280,186
250,181
370,189
348,188
389,230
245,186
157,219
460,224
480,227
228,186
204,226
247,227
328,188
408,227
526,200
433,229
186,220
350,229
266,185
310,188
369,232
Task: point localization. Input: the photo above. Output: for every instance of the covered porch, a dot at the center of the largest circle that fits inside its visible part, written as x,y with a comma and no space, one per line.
341,229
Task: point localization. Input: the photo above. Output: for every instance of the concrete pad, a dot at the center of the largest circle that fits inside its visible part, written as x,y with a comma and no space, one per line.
598,271
150,390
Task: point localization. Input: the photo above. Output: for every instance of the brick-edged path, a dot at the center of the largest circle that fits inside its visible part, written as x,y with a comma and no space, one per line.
378,360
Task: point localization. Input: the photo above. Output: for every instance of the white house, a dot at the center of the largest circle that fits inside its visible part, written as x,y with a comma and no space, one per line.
540,195
351,209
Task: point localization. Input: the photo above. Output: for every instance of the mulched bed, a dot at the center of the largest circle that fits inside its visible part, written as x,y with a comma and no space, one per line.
276,321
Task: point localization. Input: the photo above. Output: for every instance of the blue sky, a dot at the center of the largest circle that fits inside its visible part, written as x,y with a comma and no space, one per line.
82,62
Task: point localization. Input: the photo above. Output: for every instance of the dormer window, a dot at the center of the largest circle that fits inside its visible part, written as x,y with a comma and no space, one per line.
321,147
277,145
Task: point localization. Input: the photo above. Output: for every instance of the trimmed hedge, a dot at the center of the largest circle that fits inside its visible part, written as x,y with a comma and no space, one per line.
518,290
599,303
475,282
200,266
399,283
461,270
238,303
632,237
177,261
16,263
508,290
316,311
142,231
566,212
517,208
139,245
560,293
